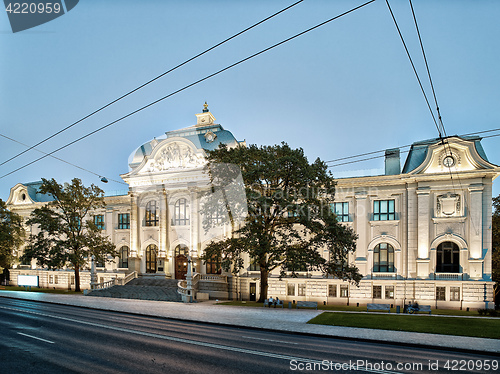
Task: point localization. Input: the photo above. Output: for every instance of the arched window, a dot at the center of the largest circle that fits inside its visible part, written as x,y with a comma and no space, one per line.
383,258
213,265
181,213
448,258
151,218
151,251
124,252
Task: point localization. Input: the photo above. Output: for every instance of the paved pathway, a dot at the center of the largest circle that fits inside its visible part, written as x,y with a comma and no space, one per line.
290,320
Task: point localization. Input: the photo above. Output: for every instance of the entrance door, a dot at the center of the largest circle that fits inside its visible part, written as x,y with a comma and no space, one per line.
151,258
181,267
253,291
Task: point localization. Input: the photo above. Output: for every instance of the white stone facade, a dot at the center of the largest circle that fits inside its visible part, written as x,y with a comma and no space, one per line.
424,233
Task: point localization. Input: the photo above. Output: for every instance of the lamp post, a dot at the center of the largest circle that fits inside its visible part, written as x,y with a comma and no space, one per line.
93,273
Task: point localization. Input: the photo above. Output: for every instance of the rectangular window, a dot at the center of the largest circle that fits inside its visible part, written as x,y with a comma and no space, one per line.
341,210
51,279
56,280
332,290
291,289
377,292
383,210
344,291
440,293
389,292
454,293
72,280
99,221
253,265
302,289
124,221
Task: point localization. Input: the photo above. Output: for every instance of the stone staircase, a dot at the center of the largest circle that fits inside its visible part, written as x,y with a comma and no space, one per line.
144,288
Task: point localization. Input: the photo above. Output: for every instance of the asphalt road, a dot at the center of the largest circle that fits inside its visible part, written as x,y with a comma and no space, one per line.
49,338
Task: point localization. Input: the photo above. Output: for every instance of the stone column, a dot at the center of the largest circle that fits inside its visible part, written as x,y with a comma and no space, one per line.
475,242
423,227
475,213
361,228
135,224
193,219
163,235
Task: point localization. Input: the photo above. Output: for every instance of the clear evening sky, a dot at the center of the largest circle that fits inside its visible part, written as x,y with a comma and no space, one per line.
343,89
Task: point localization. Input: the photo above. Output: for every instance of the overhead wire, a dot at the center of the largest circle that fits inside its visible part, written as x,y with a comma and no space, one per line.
151,81
192,84
60,159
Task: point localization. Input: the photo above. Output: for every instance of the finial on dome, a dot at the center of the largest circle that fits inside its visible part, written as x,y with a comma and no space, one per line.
205,107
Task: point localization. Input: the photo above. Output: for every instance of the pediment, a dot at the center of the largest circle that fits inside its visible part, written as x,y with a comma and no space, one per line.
457,155
19,195
171,155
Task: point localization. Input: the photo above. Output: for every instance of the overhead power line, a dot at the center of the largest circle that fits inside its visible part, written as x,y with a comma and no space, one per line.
193,84
60,159
151,81
404,146
414,69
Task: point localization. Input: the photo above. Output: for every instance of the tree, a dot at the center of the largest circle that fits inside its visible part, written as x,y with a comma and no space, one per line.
67,237
11,235
289,222
495,225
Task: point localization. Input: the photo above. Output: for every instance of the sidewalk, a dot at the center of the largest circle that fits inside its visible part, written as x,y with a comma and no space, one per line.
284,320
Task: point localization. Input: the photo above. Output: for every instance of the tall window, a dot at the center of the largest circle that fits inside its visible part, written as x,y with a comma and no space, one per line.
301,289
123,263
389,292
448,258
377,292
344,291
455,293
290,289
440,293
181,214
383,210
99,221
383,258
332,290
341,210
254,266
213,265
151,217
124,221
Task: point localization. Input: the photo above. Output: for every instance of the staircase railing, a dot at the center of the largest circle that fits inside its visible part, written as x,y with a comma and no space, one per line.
182,288
128,278
103,285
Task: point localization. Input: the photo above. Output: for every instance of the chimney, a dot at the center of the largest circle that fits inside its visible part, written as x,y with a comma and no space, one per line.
392,163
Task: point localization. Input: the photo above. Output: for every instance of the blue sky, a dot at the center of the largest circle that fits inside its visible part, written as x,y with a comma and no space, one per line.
341,90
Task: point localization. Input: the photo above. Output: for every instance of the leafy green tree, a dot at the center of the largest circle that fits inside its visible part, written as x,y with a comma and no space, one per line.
496,245
11,235
67,237
289,221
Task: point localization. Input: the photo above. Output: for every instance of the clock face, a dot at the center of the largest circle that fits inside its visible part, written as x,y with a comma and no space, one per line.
448,161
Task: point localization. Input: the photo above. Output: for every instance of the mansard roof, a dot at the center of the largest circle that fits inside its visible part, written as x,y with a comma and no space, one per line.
420,151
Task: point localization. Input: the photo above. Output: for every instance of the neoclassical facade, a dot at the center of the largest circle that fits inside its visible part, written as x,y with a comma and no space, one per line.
424,230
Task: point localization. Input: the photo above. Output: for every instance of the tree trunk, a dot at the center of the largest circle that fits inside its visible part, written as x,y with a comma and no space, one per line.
77,278
264,275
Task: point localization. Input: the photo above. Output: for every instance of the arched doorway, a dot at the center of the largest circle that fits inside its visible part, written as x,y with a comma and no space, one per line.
151,251
181,261
448,258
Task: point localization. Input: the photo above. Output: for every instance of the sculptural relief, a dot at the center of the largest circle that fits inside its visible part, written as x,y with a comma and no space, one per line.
175,156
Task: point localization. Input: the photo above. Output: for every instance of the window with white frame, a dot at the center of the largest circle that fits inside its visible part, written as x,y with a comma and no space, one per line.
341,210
344,291
181,212
291,289
332,290
389,292
455,293
384,210
301,289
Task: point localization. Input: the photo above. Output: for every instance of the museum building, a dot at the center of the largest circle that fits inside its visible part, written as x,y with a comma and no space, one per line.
424,230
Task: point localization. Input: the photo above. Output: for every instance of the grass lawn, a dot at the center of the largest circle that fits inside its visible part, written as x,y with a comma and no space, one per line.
353,308
44,290
476,327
